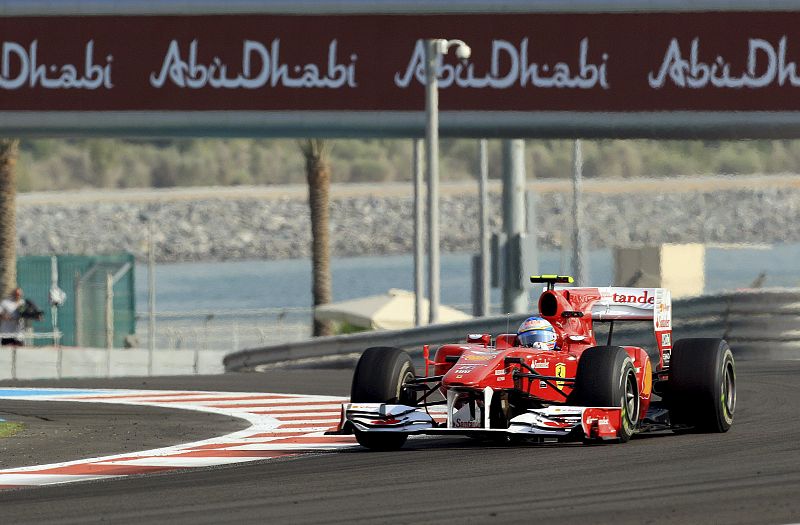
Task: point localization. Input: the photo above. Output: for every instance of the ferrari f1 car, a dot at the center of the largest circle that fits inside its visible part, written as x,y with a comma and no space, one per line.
580,390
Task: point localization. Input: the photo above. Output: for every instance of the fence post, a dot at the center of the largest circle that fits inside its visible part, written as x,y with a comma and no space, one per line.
54,304
60,361
109,320
151,297
78,311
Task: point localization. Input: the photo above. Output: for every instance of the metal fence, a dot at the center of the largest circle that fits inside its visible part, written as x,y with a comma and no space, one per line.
759,323
99,309
231,330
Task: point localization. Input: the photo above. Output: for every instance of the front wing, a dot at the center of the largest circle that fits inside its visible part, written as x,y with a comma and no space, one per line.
553,421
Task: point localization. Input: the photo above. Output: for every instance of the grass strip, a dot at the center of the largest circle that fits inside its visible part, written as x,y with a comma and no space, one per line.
9,429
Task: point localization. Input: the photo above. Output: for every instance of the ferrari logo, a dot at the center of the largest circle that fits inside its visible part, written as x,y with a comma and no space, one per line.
561,371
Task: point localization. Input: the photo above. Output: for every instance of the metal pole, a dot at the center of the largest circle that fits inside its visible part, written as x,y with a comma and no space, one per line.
580,263
56,330
53,286
54,317
515,298
483,207
530,249
78,311
419,249
109,320
151,298
57,343
432,165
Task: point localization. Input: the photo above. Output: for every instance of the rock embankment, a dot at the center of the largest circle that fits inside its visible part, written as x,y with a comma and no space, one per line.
365,222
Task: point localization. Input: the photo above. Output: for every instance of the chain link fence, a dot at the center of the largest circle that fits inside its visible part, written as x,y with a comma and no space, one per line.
230,330
85,300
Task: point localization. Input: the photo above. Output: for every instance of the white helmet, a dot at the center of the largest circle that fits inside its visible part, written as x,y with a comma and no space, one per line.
536,332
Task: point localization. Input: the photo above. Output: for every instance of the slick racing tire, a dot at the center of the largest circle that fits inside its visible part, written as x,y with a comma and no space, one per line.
606,378
379,378
702,385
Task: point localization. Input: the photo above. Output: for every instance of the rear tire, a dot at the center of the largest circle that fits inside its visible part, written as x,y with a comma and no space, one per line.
702,385
379,377
606,378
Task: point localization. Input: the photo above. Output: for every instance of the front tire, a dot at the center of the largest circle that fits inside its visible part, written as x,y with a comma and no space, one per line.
606,378
379,377
702,385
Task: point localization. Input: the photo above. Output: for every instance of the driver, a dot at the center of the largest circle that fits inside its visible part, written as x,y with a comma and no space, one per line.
535,332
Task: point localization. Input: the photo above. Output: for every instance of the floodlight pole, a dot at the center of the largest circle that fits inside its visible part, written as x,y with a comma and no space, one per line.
483,211
432,50
419,218
580,261
515,297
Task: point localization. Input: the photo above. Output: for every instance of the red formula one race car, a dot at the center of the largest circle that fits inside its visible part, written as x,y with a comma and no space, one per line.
569,388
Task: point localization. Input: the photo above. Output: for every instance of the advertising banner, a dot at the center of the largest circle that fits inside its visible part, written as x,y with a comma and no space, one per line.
522,62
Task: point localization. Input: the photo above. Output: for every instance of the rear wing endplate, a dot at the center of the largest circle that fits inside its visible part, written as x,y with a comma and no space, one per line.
639,304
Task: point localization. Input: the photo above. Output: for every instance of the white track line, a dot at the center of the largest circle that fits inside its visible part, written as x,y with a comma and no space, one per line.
281,425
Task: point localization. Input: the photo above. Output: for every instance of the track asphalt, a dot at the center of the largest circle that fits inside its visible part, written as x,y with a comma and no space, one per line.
749,475
65,431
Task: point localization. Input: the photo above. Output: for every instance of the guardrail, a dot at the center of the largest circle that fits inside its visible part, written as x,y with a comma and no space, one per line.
763,323
346,344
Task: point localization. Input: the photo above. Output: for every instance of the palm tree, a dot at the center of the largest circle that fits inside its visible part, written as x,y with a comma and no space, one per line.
318,173
9,151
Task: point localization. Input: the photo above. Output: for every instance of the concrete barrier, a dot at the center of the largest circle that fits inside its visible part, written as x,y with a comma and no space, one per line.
64,362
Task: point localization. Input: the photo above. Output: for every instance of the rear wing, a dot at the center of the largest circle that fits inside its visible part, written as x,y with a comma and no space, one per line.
633,304
637,304
616,303
629,304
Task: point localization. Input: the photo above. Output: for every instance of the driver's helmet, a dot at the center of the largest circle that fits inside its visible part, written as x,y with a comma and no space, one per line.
535,332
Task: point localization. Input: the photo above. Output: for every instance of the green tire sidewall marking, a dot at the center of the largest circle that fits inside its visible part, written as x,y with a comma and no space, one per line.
724,383
625,423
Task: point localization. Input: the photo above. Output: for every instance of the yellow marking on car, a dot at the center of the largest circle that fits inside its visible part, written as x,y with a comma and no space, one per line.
561,371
